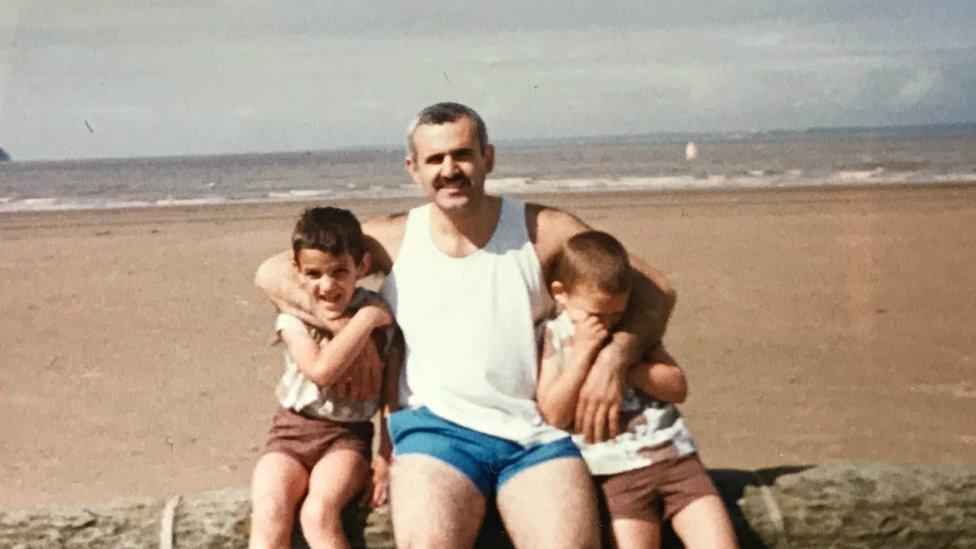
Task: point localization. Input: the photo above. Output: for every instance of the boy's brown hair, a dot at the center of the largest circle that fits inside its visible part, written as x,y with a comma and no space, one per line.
331,230
594,258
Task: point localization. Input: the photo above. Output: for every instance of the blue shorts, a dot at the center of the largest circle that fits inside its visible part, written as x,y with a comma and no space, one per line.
488,461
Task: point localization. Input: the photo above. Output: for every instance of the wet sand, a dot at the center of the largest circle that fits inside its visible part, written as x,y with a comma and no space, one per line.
814,325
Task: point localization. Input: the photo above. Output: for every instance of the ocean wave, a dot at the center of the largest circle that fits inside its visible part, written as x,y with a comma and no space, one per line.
300,193
854,176
198,201
745,179
502,184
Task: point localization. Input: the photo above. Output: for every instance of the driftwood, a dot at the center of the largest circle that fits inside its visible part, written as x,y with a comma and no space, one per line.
834,505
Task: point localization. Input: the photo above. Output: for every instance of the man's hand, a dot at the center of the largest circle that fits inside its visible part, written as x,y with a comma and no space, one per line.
378,310
598,407
377,489
364,377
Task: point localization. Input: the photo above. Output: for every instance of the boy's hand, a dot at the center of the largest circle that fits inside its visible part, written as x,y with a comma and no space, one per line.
377,489
364,377
589,334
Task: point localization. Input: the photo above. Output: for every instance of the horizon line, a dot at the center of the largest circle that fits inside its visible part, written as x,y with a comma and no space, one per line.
664,136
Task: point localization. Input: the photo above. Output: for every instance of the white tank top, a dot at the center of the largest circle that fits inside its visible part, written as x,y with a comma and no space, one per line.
469,325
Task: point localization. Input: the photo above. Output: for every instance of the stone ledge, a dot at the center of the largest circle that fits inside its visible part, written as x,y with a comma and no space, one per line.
833,505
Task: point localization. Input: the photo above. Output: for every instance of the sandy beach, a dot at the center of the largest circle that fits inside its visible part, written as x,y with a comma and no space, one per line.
814,325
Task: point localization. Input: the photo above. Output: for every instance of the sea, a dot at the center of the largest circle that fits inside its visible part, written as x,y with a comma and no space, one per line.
848,157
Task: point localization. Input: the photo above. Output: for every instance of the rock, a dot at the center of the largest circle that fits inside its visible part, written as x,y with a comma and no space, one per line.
210,519
4,157
866,505
833,505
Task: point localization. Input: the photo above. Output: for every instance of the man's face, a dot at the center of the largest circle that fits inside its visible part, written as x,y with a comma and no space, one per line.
449,165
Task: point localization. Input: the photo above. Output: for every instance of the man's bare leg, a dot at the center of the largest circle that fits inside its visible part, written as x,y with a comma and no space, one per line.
551,504
433,504
705,523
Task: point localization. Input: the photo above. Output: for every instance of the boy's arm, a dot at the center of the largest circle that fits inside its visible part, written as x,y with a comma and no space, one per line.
559,383
659,376
389,404
327,364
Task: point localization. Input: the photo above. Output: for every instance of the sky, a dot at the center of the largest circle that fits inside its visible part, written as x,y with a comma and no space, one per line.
118,79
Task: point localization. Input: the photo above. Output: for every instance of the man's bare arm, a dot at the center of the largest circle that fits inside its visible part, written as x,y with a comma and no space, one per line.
659,376
279,280
651,302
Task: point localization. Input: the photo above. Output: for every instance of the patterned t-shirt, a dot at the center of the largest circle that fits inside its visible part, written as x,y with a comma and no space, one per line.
301,395
651,430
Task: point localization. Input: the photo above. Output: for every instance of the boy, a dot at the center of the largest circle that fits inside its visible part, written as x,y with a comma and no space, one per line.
650,472
320,439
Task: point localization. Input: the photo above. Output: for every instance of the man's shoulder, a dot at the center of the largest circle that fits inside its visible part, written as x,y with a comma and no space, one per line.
549,227
386,225
552,222
384,234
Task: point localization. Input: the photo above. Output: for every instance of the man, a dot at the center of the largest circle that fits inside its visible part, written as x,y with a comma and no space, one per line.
466,283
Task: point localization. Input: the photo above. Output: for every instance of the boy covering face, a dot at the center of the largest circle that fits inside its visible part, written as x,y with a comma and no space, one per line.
649,472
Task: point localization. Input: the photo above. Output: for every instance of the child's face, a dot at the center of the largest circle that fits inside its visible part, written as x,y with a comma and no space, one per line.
586,300
330,279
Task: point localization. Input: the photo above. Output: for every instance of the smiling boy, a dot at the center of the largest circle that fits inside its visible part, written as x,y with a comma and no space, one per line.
320,440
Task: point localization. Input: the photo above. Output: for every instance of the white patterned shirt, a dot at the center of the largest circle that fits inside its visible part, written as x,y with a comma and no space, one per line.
297,393
648,425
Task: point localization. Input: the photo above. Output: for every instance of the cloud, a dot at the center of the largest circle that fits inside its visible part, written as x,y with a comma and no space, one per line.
212,77
919,87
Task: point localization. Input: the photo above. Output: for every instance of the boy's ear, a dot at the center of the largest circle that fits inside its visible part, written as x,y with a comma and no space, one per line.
364,264
558,292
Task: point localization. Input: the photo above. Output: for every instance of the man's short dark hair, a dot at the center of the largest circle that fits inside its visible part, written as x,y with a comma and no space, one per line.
442,113
593,258
331,230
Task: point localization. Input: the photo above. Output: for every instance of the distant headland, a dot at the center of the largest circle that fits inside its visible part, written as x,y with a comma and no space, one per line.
4,157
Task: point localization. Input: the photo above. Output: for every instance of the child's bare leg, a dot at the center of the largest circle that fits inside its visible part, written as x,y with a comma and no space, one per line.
705,523
336,478
277,487
636,534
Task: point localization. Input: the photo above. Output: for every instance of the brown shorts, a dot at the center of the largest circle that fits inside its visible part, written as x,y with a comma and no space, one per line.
658,490
307,440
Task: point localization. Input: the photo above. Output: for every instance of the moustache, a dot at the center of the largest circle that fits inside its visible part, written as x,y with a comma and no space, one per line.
460,181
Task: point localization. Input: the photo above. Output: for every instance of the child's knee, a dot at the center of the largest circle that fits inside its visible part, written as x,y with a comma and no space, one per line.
273,504
320,509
